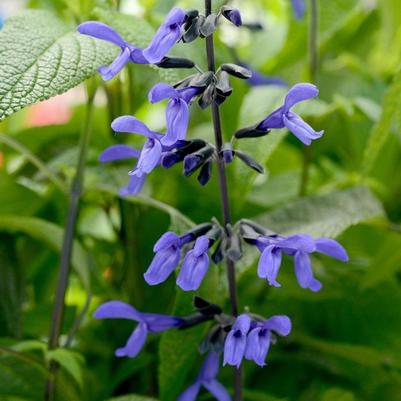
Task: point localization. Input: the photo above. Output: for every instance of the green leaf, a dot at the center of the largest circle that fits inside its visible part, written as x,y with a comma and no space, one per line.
70,361
387,258
336,394
324,215
12,279
51,234
257,105
15,198
21,376
178,350
334,16
360,354
382,129
41,57
132,397
251,395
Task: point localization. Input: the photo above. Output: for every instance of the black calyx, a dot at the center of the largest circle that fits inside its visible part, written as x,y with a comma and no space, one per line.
250,162
237,70
175,62
195,160
250,132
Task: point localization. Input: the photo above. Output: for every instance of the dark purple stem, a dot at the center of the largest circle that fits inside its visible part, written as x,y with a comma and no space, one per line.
225,204
313,67
67,248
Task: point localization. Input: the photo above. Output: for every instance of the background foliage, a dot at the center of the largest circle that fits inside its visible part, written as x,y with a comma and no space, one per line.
345,344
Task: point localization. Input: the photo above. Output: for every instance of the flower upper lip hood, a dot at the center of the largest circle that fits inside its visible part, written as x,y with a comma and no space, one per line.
300,246
284,117
165,38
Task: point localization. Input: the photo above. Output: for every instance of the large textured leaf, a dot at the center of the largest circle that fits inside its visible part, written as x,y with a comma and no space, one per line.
40,57
382,129
51,234
324,215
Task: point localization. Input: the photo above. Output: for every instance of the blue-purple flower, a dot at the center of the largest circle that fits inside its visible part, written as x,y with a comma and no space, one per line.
195,265
235,344
167,258
284,117
123,152
149,156
167,35
300,246
177,111
260,337
207,378
251,339
168,254
299,8
147,323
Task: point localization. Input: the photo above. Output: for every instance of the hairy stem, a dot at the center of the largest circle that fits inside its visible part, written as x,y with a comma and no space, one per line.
225,204
313,67
67,247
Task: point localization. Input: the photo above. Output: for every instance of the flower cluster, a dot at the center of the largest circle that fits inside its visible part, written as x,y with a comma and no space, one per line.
248,335
251,338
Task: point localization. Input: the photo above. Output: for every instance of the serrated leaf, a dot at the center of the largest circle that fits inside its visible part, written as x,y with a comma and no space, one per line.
41,56
50,233
382,129
324,215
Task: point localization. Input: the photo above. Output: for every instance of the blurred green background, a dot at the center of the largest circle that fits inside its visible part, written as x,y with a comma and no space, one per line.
346,339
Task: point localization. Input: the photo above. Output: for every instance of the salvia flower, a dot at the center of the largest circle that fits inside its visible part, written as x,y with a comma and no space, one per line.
284,117
129,53
251,338
235,344
147,323
207,379
260,337
123,152
177,112
149,156
300,246
165,38
168,254
299,8
195,265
